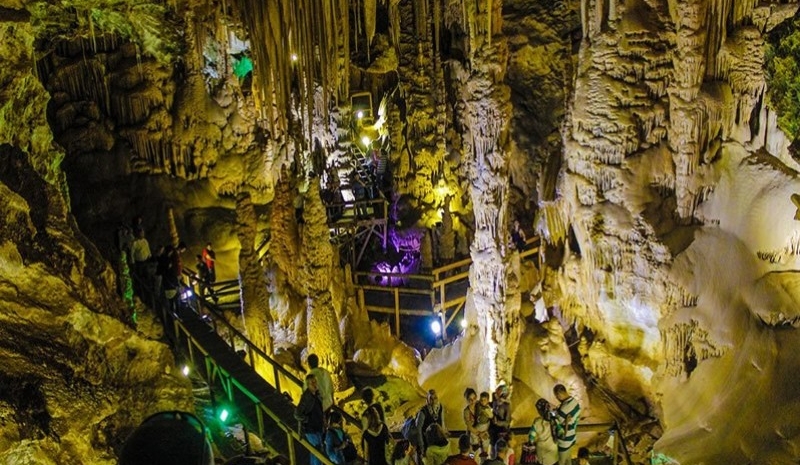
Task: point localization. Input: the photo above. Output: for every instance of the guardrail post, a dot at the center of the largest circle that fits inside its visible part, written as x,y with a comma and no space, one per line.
277,376
292,454
260,421
397,312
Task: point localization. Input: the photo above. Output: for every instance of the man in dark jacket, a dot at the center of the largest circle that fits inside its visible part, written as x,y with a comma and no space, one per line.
310,415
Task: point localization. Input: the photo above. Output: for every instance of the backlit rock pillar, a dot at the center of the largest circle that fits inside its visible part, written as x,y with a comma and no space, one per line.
315,278
253,295
483,113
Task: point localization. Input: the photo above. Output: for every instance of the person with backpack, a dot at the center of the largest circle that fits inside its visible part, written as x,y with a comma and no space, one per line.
338,445
309,415
541,434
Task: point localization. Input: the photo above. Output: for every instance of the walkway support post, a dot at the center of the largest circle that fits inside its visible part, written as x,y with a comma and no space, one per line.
397,312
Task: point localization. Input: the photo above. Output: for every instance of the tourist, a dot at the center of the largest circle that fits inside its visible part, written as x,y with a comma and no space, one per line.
470,417
324,381
583,456
501,415
438,449
503,455
568,414
210,259
309,415
463,457
368,396
483,418
375,438
431,413
338,445
203,283
541,434
140,258
518,236
403,453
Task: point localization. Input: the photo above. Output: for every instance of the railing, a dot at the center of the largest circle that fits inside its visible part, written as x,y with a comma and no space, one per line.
345,213
236,340
229,382
434,285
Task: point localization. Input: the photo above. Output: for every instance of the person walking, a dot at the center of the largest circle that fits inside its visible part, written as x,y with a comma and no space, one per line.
310,416
338,445
324,381
541,434
568,414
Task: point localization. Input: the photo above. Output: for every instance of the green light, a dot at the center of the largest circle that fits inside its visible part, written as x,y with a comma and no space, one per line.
223,415
243,67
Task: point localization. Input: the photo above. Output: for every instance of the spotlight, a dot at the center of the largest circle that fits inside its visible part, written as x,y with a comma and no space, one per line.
464,323
366,140
294,57
186,370
359,114
436,327
223,415
186,294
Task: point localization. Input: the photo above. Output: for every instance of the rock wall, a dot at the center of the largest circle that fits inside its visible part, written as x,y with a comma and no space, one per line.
75,379
667,117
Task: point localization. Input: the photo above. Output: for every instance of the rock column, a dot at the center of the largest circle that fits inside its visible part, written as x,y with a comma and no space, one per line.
483,112
253,295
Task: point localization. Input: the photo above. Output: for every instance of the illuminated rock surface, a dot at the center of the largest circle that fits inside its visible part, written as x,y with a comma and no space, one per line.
634,137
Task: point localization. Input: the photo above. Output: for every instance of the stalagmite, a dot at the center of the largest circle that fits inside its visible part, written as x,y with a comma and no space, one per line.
253,295
315,277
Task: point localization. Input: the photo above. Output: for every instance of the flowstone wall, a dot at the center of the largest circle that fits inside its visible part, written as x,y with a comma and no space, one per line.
675,215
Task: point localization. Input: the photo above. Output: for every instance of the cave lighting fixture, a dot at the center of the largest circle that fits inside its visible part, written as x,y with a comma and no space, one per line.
186,370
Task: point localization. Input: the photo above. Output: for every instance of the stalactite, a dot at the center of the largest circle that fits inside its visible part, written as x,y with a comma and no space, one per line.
307,30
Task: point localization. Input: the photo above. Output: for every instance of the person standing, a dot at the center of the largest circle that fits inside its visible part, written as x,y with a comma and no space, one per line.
375,438
541,435
431,413
368,396
310,416
324,381
463,457
438,446
501,419
338,445
140,256
567,416
483,418
210,258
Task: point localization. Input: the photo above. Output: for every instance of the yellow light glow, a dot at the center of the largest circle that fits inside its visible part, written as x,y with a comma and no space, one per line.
366,140
294,57
359,114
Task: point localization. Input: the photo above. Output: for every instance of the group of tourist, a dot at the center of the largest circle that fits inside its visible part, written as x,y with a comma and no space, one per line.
158,277
487,421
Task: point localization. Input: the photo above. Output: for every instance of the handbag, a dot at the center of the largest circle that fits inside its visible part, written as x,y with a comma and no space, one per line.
528,456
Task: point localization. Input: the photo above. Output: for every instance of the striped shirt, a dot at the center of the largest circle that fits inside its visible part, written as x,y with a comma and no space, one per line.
569,412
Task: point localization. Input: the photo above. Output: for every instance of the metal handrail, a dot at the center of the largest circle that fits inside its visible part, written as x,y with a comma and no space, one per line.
291,434
251,349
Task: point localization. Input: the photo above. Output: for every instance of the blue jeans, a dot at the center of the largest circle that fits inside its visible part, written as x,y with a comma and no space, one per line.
316,440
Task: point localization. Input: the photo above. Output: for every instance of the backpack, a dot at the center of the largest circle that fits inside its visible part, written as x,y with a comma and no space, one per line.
410,431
